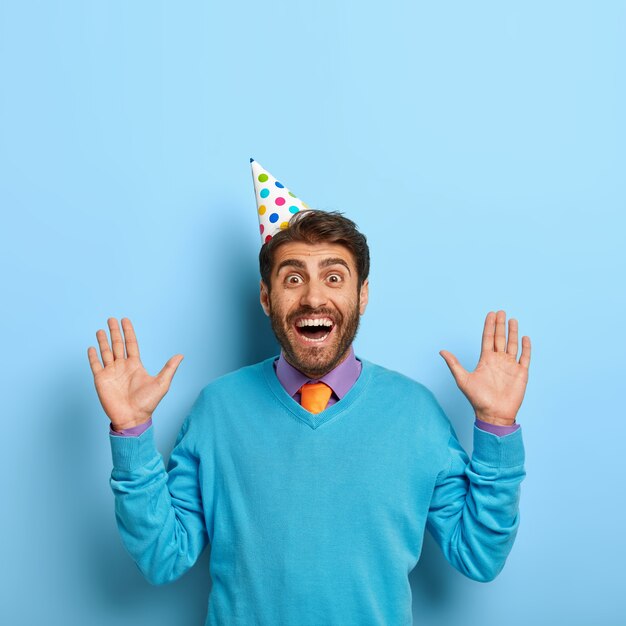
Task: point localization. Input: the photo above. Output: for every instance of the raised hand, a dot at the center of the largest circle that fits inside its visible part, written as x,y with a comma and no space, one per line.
127,392
496,387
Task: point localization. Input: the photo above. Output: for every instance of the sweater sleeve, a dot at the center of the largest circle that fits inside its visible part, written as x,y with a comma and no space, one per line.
159,513
474,511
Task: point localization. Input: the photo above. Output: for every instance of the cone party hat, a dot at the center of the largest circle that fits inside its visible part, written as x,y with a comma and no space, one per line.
276,205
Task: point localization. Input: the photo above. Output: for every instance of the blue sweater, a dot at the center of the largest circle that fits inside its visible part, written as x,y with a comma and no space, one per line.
315,519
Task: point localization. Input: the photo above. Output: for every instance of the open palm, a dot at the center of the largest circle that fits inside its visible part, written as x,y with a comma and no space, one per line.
496,387
128,394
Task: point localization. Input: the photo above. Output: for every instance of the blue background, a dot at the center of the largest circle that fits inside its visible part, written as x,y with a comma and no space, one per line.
479,145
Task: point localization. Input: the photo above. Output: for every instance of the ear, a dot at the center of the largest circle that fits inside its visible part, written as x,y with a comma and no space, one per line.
364,296
265,299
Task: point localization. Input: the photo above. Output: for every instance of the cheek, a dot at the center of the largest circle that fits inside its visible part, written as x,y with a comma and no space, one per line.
282,305
346,303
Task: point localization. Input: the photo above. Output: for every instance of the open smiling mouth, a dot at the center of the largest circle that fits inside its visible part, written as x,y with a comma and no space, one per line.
314,330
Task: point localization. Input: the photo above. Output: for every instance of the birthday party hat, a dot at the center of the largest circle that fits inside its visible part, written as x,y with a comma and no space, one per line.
276,205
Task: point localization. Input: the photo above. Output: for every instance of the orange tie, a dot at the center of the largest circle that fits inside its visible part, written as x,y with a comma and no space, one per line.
315,396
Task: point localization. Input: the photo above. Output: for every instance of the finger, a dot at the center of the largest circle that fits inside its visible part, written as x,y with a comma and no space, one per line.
511,346
132,347
105,351
500,339
116,338
525,356
458,371
169,369
94,361
489,332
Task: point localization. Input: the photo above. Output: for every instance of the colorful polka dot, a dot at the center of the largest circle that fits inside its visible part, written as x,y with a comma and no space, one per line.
277,206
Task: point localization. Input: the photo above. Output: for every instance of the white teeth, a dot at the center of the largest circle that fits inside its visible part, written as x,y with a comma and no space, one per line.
315,322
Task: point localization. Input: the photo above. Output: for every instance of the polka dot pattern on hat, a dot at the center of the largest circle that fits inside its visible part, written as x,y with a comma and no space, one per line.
276,204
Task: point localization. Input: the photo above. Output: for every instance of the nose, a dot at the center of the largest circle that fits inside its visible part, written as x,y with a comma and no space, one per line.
313,295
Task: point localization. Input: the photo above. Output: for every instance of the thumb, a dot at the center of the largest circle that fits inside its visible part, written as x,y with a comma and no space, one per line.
458,371
169,369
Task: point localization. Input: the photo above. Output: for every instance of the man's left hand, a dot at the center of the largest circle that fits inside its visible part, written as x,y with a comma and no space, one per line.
496,387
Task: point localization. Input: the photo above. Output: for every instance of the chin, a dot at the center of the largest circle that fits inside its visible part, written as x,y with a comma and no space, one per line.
314,361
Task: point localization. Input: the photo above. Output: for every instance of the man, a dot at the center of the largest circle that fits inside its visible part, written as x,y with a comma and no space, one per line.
314,475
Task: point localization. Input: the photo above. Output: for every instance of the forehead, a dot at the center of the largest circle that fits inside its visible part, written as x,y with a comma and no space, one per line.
311,254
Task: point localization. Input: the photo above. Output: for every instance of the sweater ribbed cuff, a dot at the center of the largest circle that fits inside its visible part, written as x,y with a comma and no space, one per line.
130,453
495,451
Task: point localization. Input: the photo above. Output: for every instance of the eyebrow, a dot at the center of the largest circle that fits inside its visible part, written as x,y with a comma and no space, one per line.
290,263
334,261
322,264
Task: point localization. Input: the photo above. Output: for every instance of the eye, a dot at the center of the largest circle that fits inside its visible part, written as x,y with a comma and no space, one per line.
293,279
334,278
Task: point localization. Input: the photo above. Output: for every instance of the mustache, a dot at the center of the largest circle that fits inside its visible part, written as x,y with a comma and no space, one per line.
322,311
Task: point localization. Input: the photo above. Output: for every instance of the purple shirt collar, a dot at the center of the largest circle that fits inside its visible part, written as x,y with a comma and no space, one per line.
340,379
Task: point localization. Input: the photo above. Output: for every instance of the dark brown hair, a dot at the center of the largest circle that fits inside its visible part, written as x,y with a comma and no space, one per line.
313,226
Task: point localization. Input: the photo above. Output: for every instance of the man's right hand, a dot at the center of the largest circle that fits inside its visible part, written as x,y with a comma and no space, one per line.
127,392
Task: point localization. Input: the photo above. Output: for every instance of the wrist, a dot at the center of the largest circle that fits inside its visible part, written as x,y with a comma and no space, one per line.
122,426
495,421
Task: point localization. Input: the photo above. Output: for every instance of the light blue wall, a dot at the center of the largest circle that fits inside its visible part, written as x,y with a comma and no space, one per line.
479,145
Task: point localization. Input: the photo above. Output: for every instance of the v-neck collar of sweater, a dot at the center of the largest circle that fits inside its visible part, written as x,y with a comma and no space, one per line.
331,412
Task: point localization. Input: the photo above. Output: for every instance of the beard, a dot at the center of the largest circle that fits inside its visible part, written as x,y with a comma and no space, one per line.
315,361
